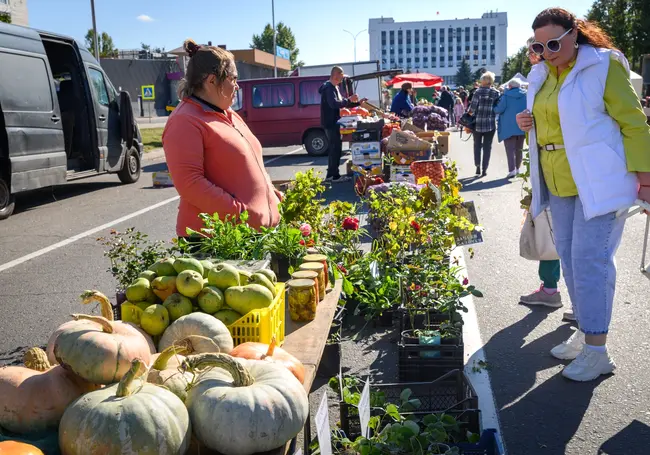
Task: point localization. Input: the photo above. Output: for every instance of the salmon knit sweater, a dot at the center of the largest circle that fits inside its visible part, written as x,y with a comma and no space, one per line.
216,165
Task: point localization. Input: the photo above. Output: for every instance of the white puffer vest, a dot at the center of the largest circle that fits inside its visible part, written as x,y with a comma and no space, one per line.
592,139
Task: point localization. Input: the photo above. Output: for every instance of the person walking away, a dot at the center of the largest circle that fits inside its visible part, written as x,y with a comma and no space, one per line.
482,108
447,102
402,104
330,113
387,101
511,103
462,93
215,159
459,110
589,158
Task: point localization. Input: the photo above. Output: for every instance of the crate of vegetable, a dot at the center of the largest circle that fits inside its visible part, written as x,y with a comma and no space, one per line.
451,394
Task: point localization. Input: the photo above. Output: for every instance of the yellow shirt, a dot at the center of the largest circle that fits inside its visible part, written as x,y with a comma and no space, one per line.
621,103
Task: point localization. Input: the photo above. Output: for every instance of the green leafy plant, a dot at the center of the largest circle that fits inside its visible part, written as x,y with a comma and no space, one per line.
130,252
284,240
302,200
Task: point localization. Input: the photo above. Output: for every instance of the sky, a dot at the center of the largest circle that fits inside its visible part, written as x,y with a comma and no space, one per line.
318,26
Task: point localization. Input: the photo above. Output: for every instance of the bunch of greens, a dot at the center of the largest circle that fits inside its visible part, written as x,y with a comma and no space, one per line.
302,200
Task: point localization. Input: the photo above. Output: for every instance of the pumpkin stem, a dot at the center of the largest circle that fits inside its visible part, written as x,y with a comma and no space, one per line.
241,376
105,323
183,347
96,296
271,349
125,387
36,359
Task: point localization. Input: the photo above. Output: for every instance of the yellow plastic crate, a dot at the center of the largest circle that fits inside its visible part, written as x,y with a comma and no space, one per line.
260,325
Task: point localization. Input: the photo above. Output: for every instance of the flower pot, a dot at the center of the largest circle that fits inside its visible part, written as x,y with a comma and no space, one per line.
430,338
409,337
280,265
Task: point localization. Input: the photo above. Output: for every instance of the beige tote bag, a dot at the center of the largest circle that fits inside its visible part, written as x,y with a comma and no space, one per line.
536,242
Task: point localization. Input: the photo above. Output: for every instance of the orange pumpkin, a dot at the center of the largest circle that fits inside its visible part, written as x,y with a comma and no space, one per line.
18,448
270,353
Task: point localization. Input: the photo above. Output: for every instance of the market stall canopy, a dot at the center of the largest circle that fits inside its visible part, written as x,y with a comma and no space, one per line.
416,85
426,79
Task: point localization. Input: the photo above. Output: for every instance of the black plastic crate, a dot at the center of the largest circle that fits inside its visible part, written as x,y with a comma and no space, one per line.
452,394
427,362
488,445
366,135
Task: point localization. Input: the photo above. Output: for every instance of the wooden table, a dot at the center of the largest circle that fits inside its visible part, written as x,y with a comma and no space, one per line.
306,341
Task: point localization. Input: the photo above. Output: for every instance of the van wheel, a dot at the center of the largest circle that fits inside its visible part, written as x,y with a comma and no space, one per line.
131,170
7,200
316,143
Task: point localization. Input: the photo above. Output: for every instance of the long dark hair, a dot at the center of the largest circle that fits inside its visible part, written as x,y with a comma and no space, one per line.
588,32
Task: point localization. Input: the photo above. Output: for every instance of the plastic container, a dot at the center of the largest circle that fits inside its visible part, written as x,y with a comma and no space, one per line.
303,299
320,269
319,258
261,325
307,275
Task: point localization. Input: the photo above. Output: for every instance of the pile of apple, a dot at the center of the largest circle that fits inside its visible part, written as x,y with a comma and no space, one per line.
175,287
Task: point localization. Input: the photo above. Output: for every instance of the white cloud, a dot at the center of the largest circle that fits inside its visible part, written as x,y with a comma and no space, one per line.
145,18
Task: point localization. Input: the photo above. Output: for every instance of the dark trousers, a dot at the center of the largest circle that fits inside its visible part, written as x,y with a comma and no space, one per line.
483,141
334,152
549,273
514,149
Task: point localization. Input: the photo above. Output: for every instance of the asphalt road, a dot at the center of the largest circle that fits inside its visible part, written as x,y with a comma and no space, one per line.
540,412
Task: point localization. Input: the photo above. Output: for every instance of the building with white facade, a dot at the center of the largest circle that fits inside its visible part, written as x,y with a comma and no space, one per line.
439,47
16,10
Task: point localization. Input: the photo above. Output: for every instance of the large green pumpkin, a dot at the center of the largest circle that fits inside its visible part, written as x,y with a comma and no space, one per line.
125,419
200,324
242,406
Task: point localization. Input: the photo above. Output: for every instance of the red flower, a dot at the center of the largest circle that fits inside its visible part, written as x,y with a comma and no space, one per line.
465,281
416,226
302,242
342,269
351,224
378,180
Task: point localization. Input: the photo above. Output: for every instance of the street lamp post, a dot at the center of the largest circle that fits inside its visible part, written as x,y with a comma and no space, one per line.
275,47
354,37
95,37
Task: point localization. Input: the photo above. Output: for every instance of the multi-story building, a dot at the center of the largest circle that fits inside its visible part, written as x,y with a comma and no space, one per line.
439,47
16,10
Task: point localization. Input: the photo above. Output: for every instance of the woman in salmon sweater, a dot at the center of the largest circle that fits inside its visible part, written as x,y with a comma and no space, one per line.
214,159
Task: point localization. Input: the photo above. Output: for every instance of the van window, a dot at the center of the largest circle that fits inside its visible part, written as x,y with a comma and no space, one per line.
25,84
99,86
238,103
273,95
309,92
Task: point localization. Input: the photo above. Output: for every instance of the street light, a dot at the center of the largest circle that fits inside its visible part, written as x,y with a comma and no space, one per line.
96,38
275,47
354,37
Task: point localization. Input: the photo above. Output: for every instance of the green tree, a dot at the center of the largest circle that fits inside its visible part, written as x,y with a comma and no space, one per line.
5,17
517,63
464,74
478,73
284,38
105,43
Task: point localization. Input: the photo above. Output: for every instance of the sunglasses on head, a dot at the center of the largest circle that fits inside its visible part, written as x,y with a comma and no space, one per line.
553,45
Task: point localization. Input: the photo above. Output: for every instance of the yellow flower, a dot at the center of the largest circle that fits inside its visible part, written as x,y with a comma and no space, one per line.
392,225
424,180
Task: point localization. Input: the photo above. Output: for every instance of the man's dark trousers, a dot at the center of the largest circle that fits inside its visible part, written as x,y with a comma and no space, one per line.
334,151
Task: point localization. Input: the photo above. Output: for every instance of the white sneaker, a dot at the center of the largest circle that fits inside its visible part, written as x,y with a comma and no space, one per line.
571,348
589,365
569,315
511,174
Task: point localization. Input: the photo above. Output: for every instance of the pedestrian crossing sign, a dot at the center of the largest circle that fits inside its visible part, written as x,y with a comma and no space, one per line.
148,93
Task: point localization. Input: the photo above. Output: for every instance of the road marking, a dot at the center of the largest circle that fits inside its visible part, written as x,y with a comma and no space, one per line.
282,156
74,238
474,354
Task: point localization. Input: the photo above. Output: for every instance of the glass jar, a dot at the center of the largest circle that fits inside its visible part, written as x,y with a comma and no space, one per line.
307,275
320,269
303,299
323,260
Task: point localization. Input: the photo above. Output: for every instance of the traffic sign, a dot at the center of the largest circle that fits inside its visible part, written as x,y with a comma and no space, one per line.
148,92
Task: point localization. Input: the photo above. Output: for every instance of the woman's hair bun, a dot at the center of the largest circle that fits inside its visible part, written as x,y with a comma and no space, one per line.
191,47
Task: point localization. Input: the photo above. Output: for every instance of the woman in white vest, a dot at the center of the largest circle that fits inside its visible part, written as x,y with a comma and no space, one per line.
589,158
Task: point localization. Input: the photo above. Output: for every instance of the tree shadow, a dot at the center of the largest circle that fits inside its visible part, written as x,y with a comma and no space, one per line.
633,439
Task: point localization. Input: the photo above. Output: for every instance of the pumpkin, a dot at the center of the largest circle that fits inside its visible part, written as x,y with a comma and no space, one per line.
130,417
270,353
34,397
166,370
107,312
244,406
18,448
201,324
101,353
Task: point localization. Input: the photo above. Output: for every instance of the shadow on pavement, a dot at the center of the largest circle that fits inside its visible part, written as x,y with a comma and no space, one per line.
33,199
477,183
156,167
537,418
630,440
294,160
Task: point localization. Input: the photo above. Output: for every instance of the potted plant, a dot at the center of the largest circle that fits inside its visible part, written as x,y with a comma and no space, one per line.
286,246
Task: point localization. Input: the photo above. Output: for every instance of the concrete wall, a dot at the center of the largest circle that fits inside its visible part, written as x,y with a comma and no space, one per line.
18,11
131,75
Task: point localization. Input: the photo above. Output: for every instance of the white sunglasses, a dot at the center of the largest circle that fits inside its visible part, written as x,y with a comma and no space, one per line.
553,45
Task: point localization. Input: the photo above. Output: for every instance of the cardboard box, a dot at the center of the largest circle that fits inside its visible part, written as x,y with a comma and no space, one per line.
406,157
399,140
363,151
371,169
443,145
162,179
401,174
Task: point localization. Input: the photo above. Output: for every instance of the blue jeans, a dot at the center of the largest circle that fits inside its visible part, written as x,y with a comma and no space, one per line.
586,250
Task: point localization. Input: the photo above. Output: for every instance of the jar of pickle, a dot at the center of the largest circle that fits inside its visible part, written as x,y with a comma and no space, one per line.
320,269
319,258
307,275
303,299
